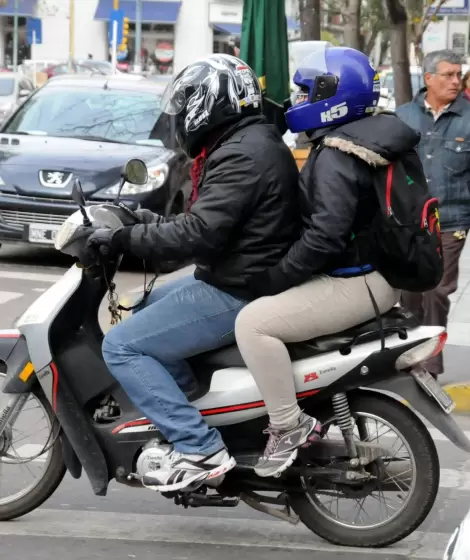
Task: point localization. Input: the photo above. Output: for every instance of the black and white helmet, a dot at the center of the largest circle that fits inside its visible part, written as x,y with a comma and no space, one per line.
209,93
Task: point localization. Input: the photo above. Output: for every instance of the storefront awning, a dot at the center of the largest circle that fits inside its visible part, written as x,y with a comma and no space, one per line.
236,28
26,8
152,11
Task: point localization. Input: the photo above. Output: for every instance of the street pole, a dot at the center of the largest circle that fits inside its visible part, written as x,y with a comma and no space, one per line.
114,46
15,36
71,33
138,36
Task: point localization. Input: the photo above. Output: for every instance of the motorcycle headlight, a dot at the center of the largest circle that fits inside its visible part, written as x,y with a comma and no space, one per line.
157,176
69,227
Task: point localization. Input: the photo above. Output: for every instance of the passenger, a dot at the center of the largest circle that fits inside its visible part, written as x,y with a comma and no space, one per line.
321,286
244,216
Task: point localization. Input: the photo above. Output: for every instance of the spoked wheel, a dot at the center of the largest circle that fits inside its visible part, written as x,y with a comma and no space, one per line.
401,493
31,462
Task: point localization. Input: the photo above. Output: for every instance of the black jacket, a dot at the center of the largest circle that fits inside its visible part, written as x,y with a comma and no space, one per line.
245,218
337,198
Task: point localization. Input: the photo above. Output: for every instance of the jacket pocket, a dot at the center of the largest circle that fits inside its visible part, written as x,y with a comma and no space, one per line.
456,156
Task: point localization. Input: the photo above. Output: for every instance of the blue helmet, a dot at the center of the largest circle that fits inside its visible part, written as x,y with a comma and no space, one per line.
337,85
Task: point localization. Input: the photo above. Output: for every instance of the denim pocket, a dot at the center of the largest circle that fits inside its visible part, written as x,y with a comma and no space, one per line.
456,156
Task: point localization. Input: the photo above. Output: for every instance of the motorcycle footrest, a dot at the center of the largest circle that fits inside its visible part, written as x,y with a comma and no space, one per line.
199,500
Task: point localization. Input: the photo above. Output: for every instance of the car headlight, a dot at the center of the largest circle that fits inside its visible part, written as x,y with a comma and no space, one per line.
157,176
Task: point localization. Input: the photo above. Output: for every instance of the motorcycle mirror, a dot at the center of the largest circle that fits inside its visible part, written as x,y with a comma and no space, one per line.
78,196
135,172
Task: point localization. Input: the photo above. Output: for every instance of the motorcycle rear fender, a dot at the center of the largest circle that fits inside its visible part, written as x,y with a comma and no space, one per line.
14,357
406,387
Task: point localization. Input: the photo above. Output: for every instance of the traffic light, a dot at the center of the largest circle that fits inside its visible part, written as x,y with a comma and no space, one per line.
125,34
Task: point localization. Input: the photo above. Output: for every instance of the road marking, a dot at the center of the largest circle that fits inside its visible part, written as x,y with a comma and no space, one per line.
5,297
204,530
30,276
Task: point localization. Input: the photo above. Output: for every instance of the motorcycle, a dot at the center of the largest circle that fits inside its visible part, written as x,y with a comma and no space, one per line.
361,384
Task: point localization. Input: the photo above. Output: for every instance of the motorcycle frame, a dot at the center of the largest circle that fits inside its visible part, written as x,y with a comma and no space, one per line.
63,334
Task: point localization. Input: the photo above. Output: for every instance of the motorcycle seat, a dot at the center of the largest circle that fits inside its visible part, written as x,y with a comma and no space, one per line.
395,320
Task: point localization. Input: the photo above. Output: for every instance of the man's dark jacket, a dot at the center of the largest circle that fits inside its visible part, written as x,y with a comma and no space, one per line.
444,150
338,199
246,216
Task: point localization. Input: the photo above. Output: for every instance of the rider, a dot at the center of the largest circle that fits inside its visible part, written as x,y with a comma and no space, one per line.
321,286
244,217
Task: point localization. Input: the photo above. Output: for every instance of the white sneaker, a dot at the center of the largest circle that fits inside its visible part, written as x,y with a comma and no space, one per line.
188,472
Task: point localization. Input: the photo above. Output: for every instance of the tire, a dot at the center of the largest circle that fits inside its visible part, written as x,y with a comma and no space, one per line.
49,482
421,501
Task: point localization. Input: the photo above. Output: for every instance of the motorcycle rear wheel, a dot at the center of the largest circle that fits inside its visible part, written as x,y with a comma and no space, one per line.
51,477
423,494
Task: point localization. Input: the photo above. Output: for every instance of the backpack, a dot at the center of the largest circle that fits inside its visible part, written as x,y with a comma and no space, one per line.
406,238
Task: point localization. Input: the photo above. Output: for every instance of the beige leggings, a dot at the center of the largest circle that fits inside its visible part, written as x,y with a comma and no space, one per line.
322,306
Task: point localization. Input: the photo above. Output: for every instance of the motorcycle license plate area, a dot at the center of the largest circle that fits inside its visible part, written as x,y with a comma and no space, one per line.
42,233
434,390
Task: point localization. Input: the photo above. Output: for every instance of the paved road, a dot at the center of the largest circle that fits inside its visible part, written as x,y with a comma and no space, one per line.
140,524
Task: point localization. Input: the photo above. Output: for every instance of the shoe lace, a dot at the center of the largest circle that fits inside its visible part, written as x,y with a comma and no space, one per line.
273,440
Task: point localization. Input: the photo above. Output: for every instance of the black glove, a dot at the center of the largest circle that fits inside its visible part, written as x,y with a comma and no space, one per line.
147,217
104,242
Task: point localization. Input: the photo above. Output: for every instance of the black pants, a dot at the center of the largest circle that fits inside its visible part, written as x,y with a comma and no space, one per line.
432,308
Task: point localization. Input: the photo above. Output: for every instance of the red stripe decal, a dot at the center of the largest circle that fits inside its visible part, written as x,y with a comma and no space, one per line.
9,335
55,385
131,424
214,411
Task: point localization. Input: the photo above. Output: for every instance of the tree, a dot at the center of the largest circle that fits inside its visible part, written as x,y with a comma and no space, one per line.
351,10
398,18
420,19
310,21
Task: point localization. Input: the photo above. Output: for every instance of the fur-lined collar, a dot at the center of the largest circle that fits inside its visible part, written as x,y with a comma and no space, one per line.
349,147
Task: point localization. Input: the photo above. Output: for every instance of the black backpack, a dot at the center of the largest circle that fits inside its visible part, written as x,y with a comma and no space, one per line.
406,240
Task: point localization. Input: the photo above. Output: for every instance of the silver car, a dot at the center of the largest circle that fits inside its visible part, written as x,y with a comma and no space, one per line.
14,89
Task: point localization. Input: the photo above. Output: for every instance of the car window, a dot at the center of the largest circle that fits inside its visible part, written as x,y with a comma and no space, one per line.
416,82
116,115
7,86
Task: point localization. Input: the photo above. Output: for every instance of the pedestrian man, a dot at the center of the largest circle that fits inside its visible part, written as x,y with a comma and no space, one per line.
441,114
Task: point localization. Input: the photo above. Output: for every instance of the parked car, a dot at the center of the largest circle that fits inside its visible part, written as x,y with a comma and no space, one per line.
88,66
87,127
14,89
387,86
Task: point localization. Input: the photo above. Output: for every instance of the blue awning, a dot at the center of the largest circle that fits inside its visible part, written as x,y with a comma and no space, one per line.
152,11
26,8
228,28
236,28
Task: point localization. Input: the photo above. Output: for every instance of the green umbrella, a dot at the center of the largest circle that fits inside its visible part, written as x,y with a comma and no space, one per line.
264,48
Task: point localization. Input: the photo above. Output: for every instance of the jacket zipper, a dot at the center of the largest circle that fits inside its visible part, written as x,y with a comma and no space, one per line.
388,191
424,221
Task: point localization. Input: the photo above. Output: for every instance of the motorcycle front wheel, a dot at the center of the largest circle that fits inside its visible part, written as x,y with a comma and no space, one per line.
29,449
326,512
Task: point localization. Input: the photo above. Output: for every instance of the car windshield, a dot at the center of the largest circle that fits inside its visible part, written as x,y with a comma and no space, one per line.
7,86
120,116
416,82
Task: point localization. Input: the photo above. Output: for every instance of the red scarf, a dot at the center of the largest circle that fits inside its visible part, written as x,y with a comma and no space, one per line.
196,172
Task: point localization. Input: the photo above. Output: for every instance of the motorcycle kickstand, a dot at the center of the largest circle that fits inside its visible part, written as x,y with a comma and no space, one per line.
256,502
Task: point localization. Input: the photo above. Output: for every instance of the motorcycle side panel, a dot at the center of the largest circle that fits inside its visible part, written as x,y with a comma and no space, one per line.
405,386
19,370
37,320
77,427
243,402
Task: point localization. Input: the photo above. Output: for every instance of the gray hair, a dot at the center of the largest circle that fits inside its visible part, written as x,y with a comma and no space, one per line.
432,59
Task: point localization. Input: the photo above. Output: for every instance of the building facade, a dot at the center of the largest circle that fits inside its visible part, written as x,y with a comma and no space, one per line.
175,32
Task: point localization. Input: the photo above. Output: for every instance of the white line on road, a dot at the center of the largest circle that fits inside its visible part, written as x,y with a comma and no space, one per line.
203,530
5,297
29,276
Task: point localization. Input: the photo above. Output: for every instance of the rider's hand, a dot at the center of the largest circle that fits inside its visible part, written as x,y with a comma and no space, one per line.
147,216
105,242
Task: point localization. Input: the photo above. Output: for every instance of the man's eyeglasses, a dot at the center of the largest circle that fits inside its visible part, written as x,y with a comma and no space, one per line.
449,75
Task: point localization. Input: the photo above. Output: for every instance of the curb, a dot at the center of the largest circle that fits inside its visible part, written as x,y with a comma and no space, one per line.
460,393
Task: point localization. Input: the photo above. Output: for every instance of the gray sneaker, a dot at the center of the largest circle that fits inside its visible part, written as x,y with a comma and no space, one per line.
282,447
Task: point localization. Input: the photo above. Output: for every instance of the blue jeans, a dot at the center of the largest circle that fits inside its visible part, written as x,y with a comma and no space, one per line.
146,354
